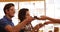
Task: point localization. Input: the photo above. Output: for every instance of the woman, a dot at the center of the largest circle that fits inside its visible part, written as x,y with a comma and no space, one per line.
22,15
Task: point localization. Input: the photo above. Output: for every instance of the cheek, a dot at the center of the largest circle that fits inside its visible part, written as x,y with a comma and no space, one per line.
12,13
27,16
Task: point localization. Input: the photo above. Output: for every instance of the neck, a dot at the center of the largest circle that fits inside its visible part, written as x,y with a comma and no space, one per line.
8,16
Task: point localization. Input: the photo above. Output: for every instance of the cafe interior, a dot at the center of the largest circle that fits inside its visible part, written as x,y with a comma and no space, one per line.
37,8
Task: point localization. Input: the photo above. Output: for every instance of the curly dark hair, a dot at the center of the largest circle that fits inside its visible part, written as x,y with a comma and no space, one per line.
22,14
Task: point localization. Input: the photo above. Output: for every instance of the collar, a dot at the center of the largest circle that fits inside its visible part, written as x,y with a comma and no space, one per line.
7,18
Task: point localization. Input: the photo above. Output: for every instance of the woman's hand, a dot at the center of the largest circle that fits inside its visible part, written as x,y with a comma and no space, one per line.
36,28
43,17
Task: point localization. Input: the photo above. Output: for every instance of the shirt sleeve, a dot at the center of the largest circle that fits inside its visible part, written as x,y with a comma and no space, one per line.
3,23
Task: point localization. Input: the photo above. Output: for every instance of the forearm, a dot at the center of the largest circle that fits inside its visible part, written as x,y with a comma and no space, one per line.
21,25
54,20
36,28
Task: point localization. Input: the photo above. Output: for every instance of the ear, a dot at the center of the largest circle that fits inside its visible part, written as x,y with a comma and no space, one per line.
7,11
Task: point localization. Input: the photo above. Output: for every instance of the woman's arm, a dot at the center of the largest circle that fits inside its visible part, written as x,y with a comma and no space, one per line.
18,27
36,28
49,18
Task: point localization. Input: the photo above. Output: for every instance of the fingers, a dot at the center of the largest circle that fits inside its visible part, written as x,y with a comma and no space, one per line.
29,18
41,17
